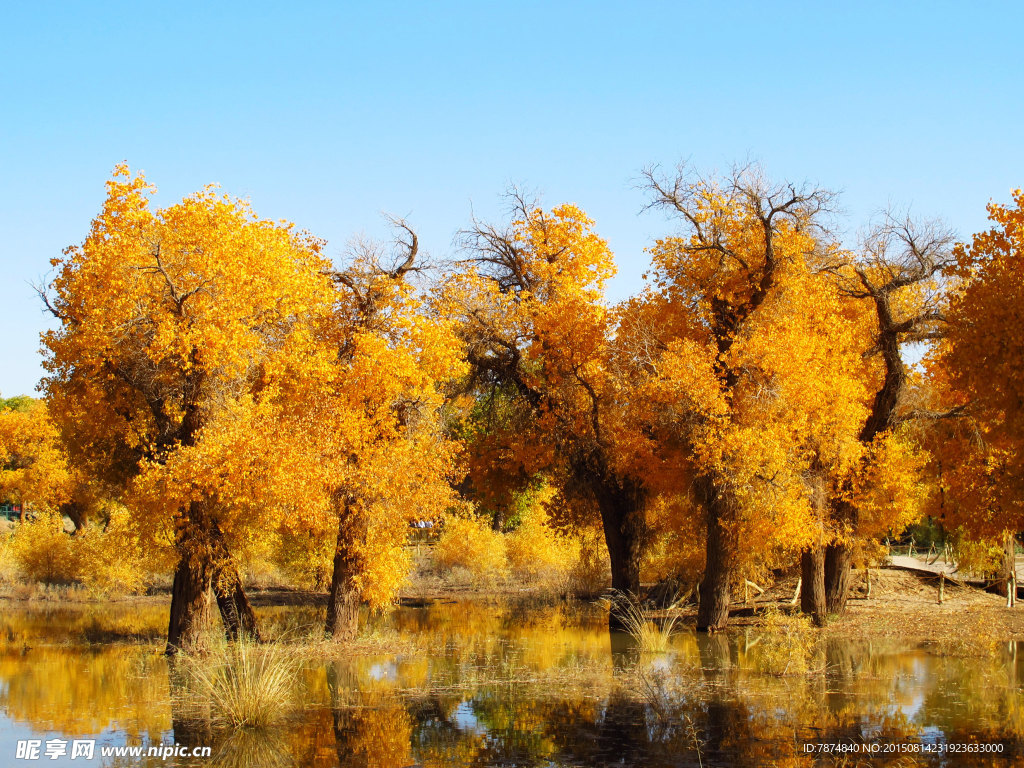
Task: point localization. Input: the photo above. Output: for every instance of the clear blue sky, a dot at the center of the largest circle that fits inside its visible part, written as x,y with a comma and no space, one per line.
329,113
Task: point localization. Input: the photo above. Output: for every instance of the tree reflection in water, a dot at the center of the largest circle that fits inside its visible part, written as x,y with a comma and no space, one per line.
490,685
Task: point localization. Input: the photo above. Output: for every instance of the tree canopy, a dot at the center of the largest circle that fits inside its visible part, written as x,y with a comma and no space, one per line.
178,329
231,388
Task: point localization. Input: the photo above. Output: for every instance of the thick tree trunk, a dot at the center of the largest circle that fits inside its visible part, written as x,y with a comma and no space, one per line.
342,607
713,611
624,557
837,577
621,502
204,566
343,601
621,514
812,584
190,602
720,553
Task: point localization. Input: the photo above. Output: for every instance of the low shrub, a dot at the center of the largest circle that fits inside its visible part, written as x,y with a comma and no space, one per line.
102,558
8,567
590,568
110,558
538,552
43,552
470,543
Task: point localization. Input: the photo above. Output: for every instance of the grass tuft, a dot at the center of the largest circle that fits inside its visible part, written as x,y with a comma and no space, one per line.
650,636
245,684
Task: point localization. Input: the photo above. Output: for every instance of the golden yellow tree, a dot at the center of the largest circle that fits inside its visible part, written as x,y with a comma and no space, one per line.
369,449
805,342
896,283
753,369
34,471
177,329
540,340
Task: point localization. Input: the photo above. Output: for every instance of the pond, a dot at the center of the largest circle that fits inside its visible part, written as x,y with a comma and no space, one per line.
482,683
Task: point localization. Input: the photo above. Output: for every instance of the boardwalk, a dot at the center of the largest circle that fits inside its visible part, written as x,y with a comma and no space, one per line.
917,564
925,565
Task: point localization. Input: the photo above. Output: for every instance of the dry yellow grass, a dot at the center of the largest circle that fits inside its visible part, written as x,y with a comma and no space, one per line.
243,683
650,636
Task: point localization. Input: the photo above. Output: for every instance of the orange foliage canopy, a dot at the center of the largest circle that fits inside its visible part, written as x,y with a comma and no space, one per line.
755,376
983,363
179,328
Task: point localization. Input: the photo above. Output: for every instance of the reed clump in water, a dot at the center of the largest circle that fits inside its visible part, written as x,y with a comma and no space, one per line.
650,636
243,683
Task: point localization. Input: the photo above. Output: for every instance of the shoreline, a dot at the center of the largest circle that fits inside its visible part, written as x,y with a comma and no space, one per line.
902,605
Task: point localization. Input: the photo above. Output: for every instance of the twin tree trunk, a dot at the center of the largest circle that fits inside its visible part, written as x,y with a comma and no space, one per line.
838,560
825,580
205,566
235,609
621,505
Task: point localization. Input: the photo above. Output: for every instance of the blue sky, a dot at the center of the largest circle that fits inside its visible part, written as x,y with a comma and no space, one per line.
327,114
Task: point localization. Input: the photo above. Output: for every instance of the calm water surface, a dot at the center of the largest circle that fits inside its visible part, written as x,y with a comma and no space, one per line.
484,684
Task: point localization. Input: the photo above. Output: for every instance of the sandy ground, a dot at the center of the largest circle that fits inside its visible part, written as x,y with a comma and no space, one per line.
905,604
